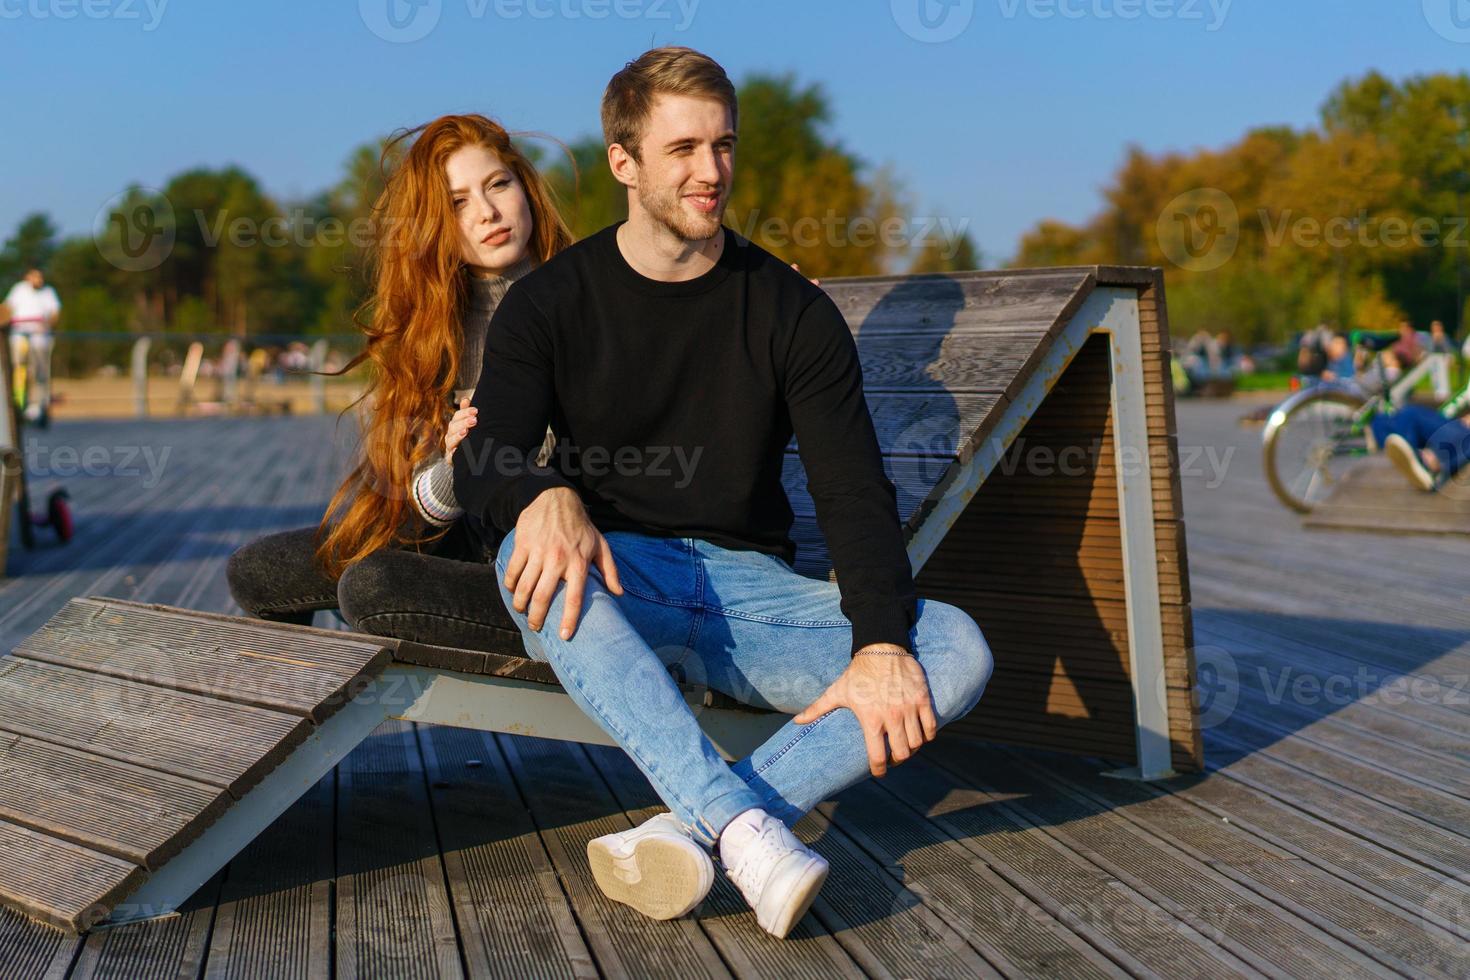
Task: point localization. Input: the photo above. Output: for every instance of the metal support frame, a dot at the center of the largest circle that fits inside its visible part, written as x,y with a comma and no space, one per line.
1140,549
409,693
518,707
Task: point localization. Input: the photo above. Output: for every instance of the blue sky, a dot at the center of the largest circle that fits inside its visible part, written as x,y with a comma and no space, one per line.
1022,114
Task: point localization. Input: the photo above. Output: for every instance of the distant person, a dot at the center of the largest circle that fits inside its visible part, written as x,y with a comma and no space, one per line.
1439,345
1408,348
34,308
1201,360
1233,358
1439,339
1422,444
1338,358
1311,355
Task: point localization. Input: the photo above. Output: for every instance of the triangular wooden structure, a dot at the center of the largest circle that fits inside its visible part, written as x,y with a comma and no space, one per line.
1027,425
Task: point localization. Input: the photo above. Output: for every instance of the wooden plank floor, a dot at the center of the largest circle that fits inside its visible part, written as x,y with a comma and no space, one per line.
1329,838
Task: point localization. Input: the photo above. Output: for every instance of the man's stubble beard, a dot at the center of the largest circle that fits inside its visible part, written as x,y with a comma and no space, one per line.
665,208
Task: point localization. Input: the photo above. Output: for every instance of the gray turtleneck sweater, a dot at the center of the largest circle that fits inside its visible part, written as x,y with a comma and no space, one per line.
433,481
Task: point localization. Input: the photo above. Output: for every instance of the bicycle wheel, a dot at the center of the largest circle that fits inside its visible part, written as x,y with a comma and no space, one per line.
1309,444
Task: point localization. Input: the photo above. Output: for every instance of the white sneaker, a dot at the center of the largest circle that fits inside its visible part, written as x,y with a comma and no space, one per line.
656,867
778,875
1402,455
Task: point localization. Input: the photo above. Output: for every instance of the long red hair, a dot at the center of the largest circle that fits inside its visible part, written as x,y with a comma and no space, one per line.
412,322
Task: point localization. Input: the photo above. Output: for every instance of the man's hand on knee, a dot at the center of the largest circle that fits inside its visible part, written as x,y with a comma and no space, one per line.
886,689
555,541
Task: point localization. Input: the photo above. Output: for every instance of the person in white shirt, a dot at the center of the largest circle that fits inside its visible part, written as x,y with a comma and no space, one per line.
34,308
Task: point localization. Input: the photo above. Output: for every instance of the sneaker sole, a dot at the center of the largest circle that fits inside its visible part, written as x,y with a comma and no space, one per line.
1401,455
672,877
802,894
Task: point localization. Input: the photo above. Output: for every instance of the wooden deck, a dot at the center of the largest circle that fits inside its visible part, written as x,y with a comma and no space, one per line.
1330,836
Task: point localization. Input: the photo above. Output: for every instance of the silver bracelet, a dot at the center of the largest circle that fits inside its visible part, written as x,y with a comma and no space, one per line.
883,653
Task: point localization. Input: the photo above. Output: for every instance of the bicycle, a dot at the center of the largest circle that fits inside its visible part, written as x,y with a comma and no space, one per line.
1313,437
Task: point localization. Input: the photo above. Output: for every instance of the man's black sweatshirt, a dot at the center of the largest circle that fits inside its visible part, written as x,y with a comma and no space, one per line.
673,403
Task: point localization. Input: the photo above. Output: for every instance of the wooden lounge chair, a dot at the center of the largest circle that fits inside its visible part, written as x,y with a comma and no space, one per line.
1027,423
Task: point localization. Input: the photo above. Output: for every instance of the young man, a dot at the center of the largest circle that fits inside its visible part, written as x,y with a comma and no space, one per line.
33,312
674,360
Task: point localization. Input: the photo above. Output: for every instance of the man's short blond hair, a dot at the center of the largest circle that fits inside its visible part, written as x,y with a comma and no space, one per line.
671,70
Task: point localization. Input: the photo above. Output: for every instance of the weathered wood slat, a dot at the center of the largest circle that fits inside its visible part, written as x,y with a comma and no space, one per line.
275,910
1001,922
1061,879
1286,912
220,743
1373,496
926,423
512,916
571,805
509,660
1400,939
263,665
136,814
30,947
59,882
393,914
945,303
956,363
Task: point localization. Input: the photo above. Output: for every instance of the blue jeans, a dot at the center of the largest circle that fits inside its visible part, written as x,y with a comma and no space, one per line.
1425,428
747,625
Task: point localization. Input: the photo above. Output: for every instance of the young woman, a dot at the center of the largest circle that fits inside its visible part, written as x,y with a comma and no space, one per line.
462,217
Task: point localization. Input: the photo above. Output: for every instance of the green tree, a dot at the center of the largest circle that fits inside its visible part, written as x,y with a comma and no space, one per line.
1322,217
797,191
32,246
953,253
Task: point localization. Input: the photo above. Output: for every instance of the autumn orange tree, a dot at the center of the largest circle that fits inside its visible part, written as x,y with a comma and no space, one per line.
1359,221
